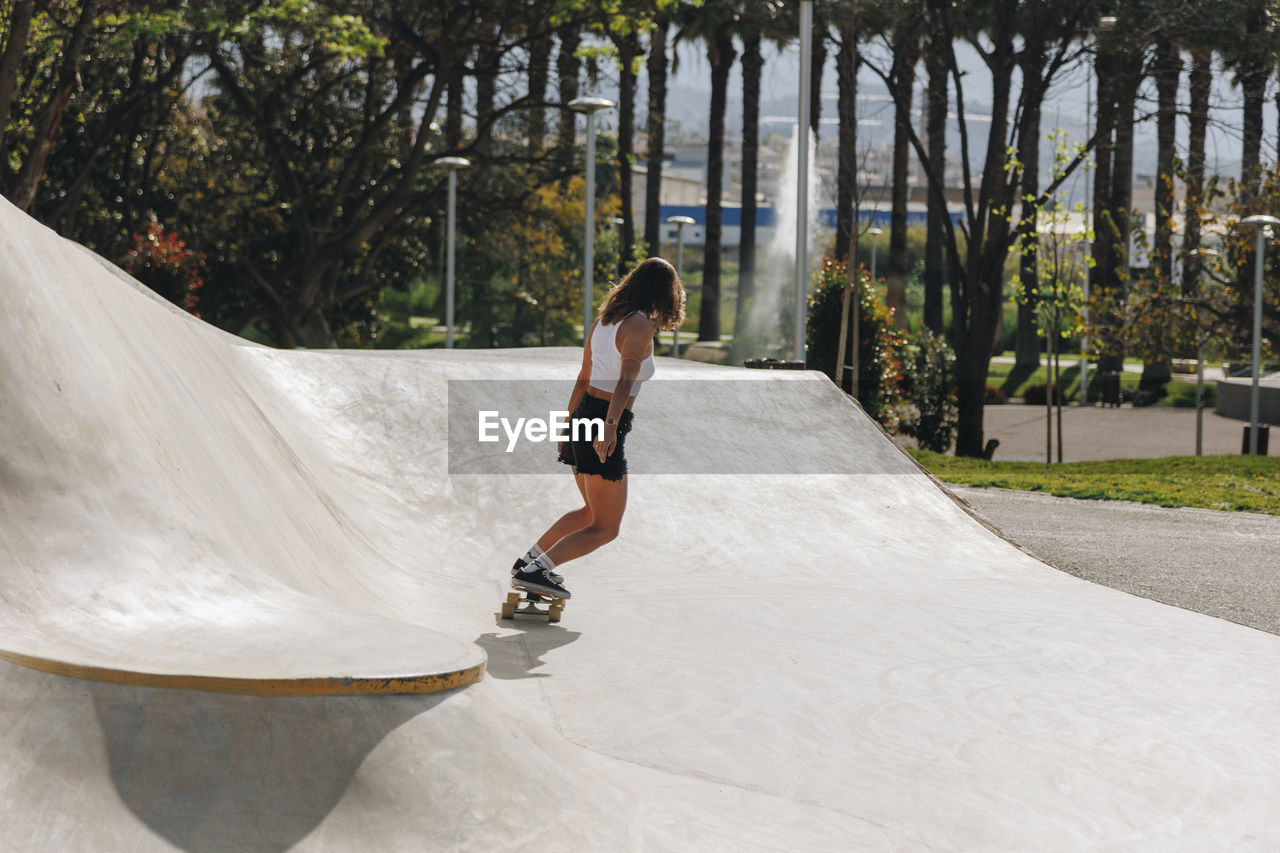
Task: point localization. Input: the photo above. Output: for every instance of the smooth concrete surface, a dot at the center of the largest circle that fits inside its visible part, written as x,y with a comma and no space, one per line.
768,661
1235,399
164,518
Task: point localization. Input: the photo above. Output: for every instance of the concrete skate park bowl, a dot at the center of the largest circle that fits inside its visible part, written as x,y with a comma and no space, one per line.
231,546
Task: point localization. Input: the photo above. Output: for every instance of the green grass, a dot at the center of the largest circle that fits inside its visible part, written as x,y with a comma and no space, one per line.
1241,483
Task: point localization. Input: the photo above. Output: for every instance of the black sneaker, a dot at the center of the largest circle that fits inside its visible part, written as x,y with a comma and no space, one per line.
536,578
521,562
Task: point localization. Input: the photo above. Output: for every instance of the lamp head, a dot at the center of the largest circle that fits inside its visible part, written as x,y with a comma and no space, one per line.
591,105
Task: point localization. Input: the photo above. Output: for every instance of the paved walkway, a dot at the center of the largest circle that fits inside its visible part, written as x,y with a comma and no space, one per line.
1094,432
1219,563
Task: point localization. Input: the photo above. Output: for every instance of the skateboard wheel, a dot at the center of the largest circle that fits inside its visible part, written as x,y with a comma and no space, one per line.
513,598
553,615
508,610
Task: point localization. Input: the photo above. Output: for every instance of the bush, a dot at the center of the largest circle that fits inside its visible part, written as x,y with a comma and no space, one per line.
879,365
1037,395
931,375
163,262
995,397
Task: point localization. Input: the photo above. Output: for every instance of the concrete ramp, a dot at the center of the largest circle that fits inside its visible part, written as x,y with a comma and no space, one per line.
804,644
164,524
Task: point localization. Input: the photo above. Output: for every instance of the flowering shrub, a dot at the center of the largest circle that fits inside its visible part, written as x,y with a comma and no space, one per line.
931,374
879,344
163,262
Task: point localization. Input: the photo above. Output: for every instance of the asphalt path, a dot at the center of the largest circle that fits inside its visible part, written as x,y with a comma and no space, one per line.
1224,564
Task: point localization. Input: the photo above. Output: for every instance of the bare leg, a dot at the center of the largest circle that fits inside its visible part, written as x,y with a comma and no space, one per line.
570,521
606,501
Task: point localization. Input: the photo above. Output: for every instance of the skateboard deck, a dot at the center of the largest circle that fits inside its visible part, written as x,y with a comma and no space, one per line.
521,602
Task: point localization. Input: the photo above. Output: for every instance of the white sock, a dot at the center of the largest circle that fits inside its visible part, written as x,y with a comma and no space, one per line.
533,553
544,561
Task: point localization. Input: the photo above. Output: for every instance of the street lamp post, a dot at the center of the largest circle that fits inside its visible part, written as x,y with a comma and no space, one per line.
1261,222
679,222
589,106
802,177
453,164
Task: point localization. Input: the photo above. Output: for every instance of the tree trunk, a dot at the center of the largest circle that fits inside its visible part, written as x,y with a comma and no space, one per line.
14,48
1027,336
453,107
628,46
817,63
314,333
976,308
1168,73
1253,84
32,173
903,74
657,66
1103,227
568,67
539,75
847,156
752,68
1198,121
487,58
1122,163
936,129
720,53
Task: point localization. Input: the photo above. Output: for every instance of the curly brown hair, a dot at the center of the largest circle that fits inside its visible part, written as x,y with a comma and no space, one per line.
653,287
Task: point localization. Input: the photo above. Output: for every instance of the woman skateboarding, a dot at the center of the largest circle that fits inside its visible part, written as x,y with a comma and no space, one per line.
617,357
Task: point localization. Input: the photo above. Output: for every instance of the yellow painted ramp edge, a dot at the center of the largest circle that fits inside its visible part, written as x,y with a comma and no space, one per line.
335,686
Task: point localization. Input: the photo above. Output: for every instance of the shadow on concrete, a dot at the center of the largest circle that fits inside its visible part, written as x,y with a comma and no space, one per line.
514,656
213,772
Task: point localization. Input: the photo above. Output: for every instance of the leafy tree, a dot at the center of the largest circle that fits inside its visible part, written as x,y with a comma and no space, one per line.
1060,261
978,247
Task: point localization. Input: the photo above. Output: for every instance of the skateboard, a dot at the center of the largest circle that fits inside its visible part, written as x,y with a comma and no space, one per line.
511,607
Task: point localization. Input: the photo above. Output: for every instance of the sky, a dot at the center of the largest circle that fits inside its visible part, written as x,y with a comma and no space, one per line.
1066,107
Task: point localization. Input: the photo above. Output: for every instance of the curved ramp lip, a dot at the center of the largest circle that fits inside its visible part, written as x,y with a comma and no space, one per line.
347,685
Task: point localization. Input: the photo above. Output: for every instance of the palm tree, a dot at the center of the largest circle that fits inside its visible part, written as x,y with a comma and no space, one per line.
568,67
905,44
1201,81
847,61
627,43
1250,55
1119,73
713,23
935,63
657,68
752,67
760,19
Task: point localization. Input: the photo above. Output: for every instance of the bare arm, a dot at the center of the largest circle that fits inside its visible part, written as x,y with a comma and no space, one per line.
635,342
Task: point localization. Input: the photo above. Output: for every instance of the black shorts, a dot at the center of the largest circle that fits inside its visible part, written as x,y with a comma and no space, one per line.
582,454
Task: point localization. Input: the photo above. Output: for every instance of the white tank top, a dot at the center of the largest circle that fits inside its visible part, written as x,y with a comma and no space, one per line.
606,361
